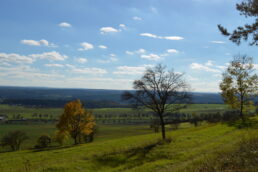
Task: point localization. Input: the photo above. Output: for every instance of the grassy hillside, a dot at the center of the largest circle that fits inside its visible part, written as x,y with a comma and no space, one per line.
189,148
105,132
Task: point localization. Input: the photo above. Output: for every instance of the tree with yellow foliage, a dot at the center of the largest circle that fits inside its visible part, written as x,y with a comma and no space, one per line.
76,121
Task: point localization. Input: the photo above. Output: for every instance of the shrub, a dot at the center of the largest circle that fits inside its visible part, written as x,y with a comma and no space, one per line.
60,138
14,139
43,141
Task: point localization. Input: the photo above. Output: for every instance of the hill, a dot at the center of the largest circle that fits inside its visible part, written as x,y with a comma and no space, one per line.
190,149
93,98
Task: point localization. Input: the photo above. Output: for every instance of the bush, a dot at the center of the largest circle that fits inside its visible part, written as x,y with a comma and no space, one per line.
14,139
43,141
60,138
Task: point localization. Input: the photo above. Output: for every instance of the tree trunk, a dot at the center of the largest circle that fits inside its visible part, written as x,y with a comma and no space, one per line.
75,140
162,127
241,109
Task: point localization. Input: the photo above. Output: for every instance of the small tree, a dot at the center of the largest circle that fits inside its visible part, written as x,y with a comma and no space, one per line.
239,85
76,121
161,91
43,141
60,137
14,139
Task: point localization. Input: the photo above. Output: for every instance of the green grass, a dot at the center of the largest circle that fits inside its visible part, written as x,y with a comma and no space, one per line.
105,132
189,147
27,112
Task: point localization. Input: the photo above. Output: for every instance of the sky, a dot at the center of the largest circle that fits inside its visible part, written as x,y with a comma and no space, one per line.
104,44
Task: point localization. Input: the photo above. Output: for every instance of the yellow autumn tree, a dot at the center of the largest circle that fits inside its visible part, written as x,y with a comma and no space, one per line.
76,121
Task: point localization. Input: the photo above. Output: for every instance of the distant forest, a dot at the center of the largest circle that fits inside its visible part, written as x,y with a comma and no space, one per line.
91,98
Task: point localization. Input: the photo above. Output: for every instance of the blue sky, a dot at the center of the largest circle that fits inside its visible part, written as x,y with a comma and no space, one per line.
107,44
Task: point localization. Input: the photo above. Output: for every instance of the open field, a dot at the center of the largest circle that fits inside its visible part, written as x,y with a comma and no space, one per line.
188,149
28,112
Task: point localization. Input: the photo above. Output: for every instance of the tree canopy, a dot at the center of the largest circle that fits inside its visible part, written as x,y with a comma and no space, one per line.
76,121
248,8
239,84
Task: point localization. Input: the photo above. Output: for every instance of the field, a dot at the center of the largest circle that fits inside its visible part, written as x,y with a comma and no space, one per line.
188,150
125,147
28,112
105,132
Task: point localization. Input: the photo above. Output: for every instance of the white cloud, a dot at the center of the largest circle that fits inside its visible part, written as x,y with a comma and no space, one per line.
151,57
149,35
122,26
54,65
111,59
209,63
221,67
86,46
137,18
15,58
50,56
218,42
41,42
129,52
82,60
256,66
130,70
176,38
65,24
172,51
30,42
96,71
105,30
161,37
102,46
201,67
139,51
69,65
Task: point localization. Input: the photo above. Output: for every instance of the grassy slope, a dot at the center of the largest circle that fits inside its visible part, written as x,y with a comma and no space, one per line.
189,146
105,132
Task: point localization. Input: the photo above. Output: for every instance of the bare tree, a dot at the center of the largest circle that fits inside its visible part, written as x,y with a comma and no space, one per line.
161,91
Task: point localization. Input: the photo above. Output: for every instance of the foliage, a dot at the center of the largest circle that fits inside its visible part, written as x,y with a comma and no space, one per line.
60,137
161,91
248,8
76,121
44,141
239,84
14,139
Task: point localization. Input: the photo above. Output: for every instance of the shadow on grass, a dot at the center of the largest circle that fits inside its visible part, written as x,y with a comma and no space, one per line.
51,148
247,123
130,158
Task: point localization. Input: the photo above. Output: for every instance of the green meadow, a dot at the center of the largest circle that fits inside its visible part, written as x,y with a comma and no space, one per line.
188,149
207,147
